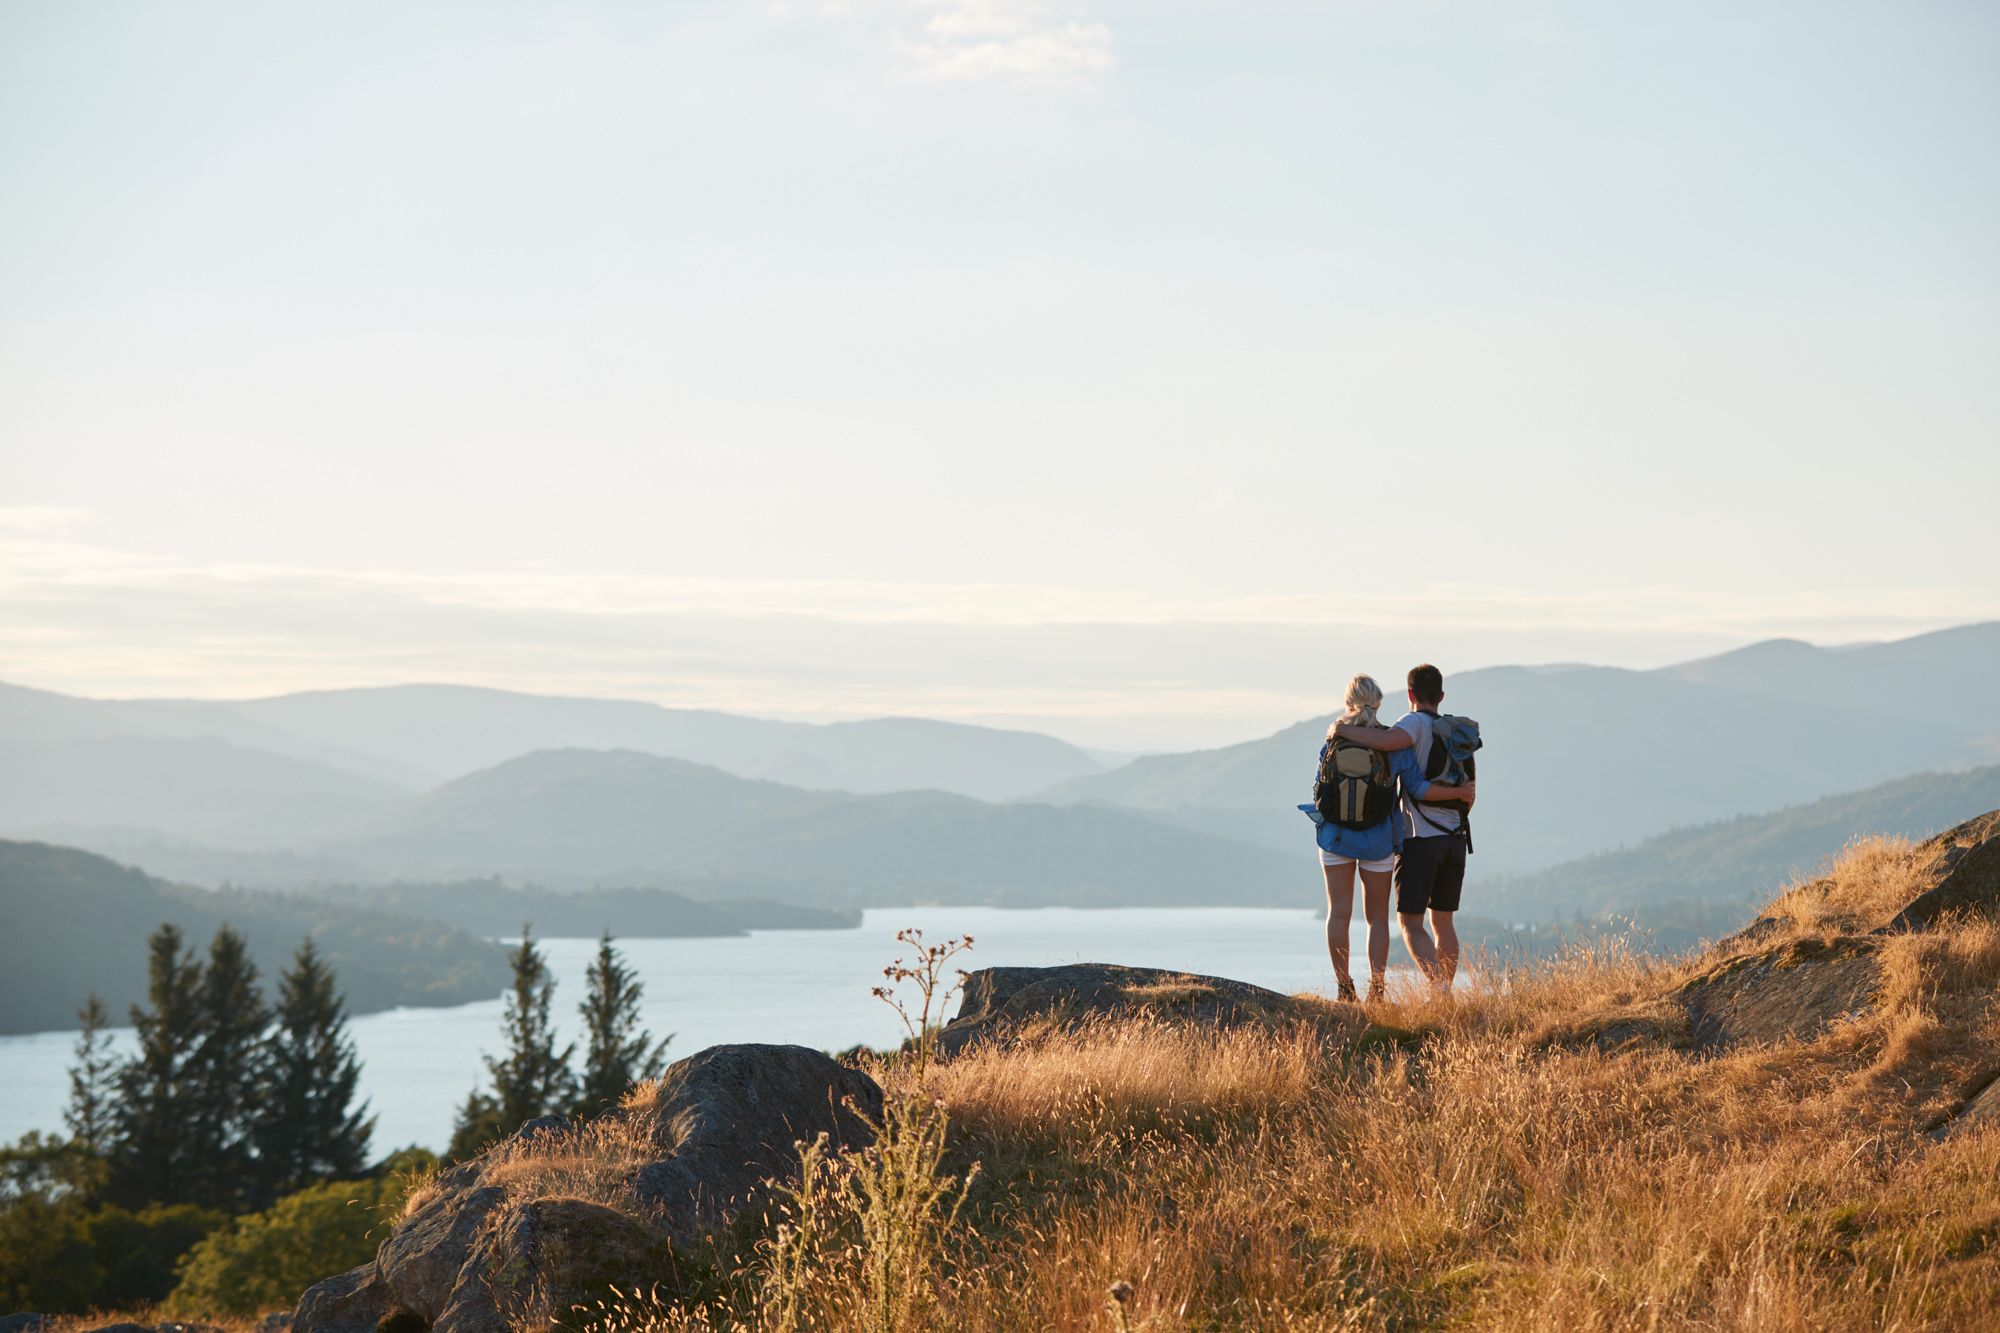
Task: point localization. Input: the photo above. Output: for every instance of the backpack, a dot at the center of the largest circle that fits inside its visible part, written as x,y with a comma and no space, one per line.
1453,740
1354,788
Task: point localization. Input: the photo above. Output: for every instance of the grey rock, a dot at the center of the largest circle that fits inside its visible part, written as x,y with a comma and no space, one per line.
424,1255
354,1302
999,999
23,1322
544,1127
549,1255
1788,993
494,1244
1964,871
731,1118
1980,1109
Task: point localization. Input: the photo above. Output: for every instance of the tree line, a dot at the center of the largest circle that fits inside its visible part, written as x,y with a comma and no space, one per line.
533,1078
231,1104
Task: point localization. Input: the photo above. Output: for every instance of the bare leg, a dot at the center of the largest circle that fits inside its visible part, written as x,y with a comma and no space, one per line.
1375,904
1339,908
1419,942
1447,933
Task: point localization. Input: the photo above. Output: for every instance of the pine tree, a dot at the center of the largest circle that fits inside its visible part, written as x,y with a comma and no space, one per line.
533,1079
92,1081
227,1073
620,1052
308,1128
152,1146
477,1127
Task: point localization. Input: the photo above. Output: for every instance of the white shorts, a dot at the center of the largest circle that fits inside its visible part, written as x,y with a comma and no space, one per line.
1384,866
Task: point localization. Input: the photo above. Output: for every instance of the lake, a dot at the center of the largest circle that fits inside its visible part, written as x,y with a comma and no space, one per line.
810,987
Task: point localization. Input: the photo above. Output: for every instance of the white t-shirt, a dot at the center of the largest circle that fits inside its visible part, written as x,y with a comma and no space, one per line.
1432,822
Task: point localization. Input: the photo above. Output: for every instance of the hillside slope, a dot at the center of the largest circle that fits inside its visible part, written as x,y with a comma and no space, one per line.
77,923
202,788
1797,1128
619,816
1740,861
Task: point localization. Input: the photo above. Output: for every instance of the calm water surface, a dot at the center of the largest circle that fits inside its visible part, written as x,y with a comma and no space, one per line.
804,986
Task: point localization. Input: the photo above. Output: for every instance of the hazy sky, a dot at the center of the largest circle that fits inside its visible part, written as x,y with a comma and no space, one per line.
1135,370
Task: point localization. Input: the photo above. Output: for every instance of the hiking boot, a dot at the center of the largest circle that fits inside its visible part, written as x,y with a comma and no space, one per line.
1347,995
1378,989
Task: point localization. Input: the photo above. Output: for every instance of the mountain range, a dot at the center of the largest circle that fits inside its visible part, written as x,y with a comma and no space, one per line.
412,737
1585,759
581,818
449,781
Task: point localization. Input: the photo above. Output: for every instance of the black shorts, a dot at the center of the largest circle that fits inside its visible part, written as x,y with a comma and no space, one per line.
1430,875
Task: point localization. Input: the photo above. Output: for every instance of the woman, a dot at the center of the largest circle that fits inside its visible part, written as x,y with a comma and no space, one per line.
1372,849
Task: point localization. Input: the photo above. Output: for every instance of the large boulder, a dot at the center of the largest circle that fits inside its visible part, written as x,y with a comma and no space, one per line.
505,1240
737,1114
1000,999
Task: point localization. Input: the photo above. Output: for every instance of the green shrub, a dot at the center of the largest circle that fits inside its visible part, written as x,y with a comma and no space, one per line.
46,1260
61,1257
264,1260
138,1251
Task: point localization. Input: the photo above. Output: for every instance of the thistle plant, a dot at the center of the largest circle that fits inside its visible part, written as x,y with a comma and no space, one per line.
934,996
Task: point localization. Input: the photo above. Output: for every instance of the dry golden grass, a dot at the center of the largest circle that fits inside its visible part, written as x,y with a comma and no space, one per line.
145,1316
593,1162
1456,1165
1857,890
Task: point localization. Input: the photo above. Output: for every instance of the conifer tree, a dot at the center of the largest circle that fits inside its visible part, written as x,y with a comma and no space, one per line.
152,1158
533,1078
227,1073
308,1128
92,1081
619,1052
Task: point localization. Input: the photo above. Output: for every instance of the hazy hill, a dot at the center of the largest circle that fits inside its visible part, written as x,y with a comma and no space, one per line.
454,730
416,736
1581,759
625,817
77,923
1948,675
1739,861
195,787
44,717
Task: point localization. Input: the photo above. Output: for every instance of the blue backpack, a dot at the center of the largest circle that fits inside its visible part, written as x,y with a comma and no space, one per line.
1453,741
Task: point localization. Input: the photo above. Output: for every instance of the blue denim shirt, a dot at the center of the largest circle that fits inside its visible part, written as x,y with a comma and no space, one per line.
1381,839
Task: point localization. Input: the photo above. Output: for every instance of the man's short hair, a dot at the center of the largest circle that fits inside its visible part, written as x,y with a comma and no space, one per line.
1427,683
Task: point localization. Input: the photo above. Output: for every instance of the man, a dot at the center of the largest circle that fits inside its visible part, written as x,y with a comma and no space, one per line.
1430,867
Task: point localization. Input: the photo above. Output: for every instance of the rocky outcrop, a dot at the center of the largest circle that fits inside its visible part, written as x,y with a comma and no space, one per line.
1768,988
1963,874
499,1242
999,999
1956,871
1792,991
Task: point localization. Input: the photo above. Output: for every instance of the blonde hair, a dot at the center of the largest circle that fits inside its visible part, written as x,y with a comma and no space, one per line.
1364,696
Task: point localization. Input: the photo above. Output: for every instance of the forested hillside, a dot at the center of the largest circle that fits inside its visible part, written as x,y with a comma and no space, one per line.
77,923
1738,862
